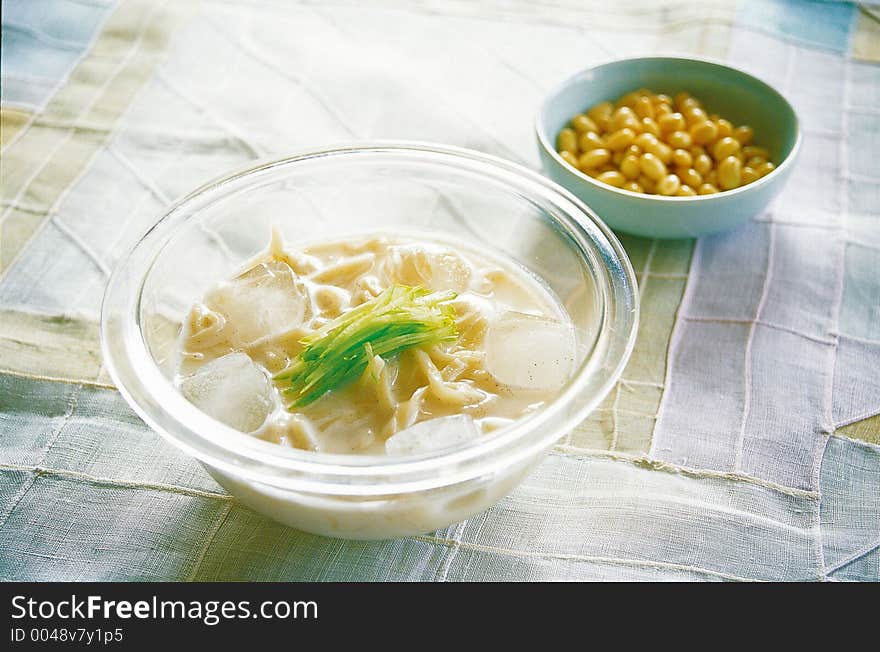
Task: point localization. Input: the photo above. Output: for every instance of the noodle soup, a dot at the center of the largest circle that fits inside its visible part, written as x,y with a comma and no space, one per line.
375,345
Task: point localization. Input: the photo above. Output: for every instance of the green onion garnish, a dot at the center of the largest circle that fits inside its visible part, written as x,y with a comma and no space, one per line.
337,354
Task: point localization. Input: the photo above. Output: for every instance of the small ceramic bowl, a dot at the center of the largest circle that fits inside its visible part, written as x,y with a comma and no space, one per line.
731,93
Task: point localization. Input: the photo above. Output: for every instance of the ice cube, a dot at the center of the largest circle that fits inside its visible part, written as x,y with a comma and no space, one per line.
265,300
530,352
430,267
232,389
433,435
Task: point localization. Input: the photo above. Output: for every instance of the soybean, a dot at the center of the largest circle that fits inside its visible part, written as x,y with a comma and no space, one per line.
730,173
652,167
668,185
656,144
594,158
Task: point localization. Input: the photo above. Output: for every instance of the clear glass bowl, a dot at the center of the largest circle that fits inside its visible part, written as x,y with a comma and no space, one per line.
420,189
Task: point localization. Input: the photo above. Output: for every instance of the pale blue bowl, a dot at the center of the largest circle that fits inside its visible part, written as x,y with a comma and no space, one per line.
731,93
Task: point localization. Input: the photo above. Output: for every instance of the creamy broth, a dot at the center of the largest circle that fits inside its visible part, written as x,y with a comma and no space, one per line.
514,350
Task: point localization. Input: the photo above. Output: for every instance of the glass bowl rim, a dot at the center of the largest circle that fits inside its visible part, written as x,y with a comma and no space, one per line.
159,403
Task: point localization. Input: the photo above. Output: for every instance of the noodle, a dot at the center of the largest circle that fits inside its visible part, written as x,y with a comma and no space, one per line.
284,296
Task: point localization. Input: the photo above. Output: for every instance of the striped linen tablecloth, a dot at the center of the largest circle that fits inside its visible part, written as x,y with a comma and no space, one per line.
743,441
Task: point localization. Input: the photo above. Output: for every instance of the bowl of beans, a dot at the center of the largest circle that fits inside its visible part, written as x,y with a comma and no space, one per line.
668,147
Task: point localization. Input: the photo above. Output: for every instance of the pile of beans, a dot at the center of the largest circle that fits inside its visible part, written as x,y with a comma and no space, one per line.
655,144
